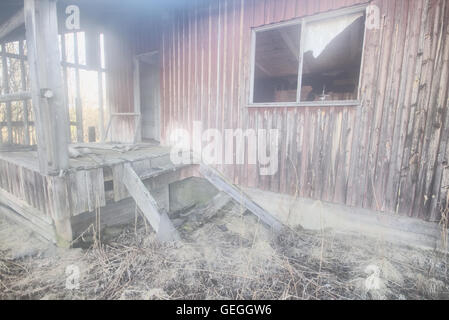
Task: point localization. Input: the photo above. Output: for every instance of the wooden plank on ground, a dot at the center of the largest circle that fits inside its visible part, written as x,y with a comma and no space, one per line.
46,234
35,218
148,205
214,177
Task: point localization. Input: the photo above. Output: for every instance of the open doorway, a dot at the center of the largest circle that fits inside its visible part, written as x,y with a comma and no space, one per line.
148,95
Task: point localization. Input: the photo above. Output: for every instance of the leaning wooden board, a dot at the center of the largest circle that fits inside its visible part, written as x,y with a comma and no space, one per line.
214,177
147,204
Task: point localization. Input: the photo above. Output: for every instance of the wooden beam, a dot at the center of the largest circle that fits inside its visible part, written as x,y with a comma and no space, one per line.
63,62
51,112
5,75
146,203
16,123
13,55
216,179
12,23
25,102
41,223
58,193
78,101
17,96
137,103
133,114
66,79
101,106
79,66
11,214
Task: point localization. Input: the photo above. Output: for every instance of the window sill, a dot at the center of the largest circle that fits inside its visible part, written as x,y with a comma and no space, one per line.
348,103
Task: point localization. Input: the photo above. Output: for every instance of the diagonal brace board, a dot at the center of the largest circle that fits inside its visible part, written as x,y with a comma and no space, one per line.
14,22
214,177
148,205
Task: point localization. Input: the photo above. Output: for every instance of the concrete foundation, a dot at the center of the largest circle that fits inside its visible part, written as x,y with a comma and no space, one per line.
189,192
318,215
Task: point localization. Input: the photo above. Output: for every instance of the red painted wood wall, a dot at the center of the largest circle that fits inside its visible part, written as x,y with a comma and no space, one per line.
389,154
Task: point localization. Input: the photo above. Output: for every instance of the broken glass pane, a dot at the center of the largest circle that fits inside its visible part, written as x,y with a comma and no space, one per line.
332,58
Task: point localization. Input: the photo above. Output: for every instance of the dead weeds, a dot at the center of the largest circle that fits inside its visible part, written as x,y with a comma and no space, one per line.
231,256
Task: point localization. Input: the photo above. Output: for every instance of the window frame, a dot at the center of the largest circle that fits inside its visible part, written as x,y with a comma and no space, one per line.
303,22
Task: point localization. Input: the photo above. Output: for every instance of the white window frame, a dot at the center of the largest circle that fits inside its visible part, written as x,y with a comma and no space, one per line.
303,22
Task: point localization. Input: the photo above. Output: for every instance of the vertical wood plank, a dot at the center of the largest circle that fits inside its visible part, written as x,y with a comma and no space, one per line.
51,115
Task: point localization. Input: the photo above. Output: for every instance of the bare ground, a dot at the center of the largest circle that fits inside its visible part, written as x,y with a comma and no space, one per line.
225,254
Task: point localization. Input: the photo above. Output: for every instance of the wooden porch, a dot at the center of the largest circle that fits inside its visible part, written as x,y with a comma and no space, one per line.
59,207
104,185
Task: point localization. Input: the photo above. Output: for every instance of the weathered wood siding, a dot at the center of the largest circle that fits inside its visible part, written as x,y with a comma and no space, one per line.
53,197
87,186
390,154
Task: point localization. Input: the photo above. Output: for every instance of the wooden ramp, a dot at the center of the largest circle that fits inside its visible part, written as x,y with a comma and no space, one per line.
157,218
220,182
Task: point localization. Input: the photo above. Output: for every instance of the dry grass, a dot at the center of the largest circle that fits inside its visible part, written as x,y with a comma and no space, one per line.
231,256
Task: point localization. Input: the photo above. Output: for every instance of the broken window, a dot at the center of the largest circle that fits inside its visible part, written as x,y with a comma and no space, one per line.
83,64
16,117
276,65
85,75
332,58
326,53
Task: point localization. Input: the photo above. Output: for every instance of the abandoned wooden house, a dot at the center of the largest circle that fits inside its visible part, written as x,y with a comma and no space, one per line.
358,91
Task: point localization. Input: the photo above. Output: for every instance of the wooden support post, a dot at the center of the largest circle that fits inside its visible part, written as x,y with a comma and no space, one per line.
6,92
25,102
101,105
50,109
95,54
79,104
104,88
137,108
65,77
146,203
59,201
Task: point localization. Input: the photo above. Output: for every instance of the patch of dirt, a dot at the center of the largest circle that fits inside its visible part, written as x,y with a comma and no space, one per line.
226,253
